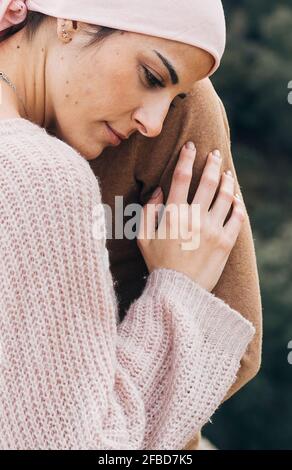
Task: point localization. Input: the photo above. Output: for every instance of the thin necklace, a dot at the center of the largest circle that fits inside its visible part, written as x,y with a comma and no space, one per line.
6,79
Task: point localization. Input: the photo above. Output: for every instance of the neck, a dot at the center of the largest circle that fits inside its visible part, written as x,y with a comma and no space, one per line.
25,65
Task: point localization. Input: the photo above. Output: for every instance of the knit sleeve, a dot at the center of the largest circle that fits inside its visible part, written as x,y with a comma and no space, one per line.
71,376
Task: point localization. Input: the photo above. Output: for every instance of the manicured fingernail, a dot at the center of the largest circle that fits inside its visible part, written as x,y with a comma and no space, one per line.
217,154
156,193
238,197
190,146
229,173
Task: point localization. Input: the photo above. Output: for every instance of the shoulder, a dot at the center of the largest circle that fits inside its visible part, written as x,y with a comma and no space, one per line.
49,195
205,103
30,158
204,90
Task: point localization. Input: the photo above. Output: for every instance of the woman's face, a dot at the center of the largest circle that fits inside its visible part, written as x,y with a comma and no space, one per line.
122,82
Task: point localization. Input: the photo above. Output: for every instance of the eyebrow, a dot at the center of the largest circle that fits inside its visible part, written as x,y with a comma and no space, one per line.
169,66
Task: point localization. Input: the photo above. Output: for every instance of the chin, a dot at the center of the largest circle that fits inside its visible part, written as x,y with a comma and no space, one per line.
89,158
91,154
89,151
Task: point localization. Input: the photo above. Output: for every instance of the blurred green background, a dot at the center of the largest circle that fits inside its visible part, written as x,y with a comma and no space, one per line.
253,84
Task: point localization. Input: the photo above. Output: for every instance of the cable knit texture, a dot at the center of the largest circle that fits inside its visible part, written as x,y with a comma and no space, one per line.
71,375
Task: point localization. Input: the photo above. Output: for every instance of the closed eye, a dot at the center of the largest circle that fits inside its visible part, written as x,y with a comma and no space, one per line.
154,82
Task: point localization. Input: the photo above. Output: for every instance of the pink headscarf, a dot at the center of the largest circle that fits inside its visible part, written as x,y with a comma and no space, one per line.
199,23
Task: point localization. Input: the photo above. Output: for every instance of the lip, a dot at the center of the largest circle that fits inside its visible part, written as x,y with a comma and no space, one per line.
115,138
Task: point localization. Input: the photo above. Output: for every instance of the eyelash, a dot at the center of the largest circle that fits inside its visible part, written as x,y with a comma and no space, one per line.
153,82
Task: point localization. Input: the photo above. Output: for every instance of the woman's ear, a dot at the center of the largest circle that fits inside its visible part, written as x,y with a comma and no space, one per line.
12,13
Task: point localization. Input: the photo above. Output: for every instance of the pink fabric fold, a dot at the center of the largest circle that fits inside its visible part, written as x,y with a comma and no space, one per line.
200,23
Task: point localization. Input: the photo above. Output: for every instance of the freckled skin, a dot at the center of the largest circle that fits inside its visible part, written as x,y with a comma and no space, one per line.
116,90
106,80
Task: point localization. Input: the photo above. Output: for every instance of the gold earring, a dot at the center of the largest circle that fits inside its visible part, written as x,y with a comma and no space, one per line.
66,35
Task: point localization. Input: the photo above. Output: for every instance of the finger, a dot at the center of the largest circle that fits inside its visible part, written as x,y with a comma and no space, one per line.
209,182
149,217
234,225
182,176
224,200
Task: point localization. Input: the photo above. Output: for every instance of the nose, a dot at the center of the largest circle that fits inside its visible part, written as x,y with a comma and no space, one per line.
150,117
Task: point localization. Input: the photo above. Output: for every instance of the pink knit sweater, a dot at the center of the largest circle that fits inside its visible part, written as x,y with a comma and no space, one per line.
71,375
